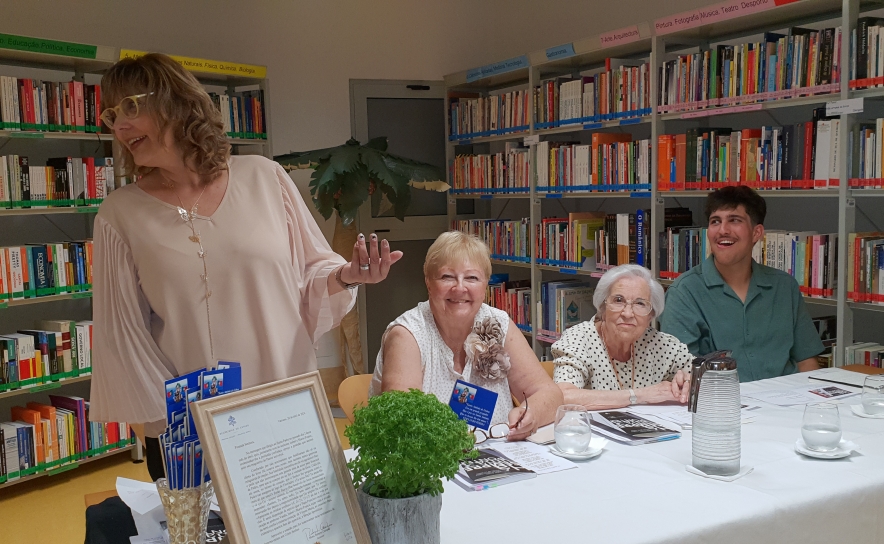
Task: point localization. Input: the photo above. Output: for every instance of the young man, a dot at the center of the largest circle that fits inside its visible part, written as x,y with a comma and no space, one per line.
730,302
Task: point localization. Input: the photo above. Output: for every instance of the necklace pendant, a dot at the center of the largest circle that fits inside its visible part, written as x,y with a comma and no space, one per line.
202,254
204,277
208,294
183,213
195,238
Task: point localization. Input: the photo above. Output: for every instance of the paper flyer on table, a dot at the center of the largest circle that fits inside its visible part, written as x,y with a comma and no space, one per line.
806,394
141,497
679,414
533,456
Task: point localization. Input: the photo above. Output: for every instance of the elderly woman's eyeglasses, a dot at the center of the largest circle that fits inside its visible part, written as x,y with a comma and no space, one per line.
617,303
128,108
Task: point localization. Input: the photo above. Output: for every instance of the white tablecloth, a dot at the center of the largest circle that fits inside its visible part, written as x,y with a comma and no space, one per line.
640,494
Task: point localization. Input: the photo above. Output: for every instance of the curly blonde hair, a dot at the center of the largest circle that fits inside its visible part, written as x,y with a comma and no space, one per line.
177,102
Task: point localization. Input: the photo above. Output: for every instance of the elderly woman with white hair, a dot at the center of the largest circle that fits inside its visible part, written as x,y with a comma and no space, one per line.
455,336
617,359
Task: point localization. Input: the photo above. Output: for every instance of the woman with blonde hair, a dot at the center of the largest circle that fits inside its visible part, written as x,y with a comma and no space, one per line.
206,257
455,336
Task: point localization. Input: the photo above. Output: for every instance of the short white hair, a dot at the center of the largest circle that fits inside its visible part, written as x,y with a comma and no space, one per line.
609,278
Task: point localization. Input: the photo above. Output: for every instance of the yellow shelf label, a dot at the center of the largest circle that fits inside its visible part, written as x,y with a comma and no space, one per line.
208,66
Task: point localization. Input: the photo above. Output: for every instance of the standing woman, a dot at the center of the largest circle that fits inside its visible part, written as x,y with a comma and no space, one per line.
206,257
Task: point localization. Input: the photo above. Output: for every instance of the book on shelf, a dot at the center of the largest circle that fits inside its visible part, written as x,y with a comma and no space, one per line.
475,116
502,171
37,270
242,113
620,90
63,181
631,429
490,469
506,239
590,241
34,356
513,297
50,106
865,267
801,61
800,156
867,41
565,304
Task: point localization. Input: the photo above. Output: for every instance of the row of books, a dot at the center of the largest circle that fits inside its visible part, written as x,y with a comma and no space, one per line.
563,303
611,162
506,239
865,267
63,181
809,257
54,350
38,270
499,171
804,155
242,113
42,437
867,60
621,90
778,66
513,297
474,116
865,353
49,106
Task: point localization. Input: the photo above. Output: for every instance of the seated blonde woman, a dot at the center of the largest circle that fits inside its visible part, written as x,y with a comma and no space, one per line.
617,359
455,336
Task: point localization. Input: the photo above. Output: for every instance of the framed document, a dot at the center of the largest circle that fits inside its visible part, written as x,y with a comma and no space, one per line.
278,467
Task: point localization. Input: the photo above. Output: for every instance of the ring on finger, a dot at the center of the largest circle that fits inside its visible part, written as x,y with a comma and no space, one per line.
364,266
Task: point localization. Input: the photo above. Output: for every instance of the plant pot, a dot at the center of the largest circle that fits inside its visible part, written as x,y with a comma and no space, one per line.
401,521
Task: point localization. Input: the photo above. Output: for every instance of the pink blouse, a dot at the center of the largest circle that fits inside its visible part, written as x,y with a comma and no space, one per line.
268,264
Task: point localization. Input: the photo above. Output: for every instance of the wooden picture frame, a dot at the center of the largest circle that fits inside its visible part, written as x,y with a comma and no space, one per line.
238,422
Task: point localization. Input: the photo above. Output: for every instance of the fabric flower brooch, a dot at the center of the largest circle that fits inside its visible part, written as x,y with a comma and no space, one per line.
485,347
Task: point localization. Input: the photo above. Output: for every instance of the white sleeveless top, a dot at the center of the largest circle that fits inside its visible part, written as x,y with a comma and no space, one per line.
437,359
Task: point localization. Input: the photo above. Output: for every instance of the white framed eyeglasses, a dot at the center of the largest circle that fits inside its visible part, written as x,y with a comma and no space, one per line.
128,108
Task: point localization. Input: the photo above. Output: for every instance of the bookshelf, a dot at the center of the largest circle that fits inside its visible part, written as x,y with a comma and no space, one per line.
833,205
25,222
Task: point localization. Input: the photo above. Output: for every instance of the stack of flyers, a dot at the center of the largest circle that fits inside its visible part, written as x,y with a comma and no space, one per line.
182,452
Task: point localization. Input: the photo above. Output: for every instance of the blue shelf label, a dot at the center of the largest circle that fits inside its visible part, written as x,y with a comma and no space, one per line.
560,52
638,194
486,197
634,121
464,142
554,195
510,65
592,126
567,271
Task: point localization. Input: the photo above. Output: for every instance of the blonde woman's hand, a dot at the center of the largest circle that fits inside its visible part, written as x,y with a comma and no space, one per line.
368,265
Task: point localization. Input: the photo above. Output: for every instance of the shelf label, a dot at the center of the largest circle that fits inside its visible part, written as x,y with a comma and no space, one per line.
51,47
18,134
63,468
529,140
210,66
714,13
560,52
45,387
592,126
722,111
510,65
84,294
840,107
620,37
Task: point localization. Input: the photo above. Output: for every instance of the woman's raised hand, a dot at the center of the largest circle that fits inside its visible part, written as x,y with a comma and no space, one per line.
369,265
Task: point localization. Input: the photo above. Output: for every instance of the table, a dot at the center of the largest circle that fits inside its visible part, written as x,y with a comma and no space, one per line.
642,494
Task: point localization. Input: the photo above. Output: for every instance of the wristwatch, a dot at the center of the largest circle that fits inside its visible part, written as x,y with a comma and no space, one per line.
341,282
632,398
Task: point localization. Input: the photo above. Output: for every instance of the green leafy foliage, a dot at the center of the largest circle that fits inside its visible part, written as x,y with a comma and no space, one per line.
406,443
345,176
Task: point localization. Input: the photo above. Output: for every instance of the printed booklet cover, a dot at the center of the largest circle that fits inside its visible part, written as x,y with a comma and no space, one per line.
490,469
629,428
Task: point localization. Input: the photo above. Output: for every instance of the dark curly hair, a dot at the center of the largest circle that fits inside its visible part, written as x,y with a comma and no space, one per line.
729,198
178,103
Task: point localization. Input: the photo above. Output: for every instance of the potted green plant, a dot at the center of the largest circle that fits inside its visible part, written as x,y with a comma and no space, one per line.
406,442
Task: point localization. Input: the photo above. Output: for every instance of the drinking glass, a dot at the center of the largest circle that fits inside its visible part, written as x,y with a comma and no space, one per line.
821,428
572,428
873,395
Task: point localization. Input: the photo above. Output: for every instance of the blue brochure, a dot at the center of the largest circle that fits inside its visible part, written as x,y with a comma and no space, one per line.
473,404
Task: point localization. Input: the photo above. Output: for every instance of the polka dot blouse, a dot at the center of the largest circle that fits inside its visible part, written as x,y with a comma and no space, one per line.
581,359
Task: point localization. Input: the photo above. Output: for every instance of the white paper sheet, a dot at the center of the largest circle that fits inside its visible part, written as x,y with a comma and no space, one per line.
147,539
148,525
140,497
806,394
679,414
534,456
838,375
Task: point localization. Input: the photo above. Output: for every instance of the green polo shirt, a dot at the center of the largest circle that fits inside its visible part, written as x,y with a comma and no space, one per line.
768,334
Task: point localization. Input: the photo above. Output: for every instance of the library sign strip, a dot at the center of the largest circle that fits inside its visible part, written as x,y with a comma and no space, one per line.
510,65
52,47
209,66
714,14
